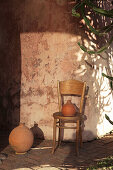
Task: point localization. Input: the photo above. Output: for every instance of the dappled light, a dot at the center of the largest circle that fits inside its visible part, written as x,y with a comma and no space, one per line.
93,67
38,46
48,50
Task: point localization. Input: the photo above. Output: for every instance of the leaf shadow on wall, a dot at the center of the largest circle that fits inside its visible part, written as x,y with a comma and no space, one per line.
100,93
23,17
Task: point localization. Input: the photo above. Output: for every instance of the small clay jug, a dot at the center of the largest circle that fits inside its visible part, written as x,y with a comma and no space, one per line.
21,139
68,109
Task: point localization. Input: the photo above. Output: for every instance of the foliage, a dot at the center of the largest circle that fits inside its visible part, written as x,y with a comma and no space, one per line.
111,84
110,78
106,163
107,117
82,5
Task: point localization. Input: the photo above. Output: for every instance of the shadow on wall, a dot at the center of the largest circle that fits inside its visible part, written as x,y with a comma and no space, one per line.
18,17
4,136
38,134
10,67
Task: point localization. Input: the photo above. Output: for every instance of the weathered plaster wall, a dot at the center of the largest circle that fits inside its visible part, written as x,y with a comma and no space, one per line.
49,53
48,49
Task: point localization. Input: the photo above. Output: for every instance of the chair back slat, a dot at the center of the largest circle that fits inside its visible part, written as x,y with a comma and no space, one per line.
71,87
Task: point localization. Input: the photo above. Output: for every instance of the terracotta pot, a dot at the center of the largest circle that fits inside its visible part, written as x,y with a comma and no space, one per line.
21,138
68,109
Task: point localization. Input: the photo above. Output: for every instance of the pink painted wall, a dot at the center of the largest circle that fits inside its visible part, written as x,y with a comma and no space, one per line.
49,53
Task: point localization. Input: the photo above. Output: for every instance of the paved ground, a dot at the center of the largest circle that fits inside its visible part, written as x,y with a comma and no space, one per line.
40,156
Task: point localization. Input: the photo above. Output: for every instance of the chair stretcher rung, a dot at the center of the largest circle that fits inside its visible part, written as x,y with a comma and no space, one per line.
65,127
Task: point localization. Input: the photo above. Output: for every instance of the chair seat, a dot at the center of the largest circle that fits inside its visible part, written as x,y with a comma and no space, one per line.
59,115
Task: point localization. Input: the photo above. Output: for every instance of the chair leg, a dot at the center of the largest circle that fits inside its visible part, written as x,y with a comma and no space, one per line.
59,135
80,136
54,136
77,137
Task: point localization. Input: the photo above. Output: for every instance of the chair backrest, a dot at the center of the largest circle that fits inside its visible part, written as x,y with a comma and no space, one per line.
71,87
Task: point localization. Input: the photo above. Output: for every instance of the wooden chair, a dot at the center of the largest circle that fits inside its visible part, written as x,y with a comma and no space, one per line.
69,87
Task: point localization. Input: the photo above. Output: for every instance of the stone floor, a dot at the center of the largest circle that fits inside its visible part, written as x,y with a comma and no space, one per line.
40,157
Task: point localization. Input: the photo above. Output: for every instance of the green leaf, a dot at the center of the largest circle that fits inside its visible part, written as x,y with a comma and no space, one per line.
74,12
96,51
87,21
99,10
103,12
111,85
106,29
82,47
102,49
109,77
110,41
91,52
82,5
107,117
